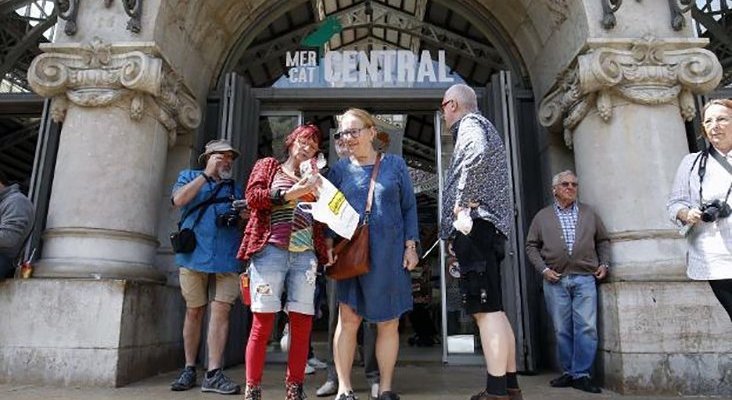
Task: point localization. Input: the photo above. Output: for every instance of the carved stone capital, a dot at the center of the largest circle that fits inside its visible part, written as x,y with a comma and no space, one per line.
100,75
643,71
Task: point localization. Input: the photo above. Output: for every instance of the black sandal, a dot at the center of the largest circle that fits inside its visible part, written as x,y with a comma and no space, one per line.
388,395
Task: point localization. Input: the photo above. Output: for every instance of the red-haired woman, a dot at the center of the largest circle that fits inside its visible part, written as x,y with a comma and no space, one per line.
283,245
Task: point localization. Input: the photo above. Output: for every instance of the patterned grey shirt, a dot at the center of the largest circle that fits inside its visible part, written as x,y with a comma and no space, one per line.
478,173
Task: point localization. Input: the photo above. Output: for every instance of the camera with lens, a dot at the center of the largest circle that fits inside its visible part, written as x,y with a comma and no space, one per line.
715,210
231,218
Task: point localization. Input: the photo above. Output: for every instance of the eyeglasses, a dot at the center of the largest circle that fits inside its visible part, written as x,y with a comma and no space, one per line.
353,132
568,184
722,121
445,103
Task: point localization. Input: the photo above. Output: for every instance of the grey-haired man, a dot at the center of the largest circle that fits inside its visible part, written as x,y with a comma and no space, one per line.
477,191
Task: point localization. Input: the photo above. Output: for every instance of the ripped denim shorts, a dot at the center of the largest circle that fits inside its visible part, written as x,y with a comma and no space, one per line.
274,271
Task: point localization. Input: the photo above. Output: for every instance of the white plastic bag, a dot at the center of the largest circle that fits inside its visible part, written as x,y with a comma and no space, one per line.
331,208
463,222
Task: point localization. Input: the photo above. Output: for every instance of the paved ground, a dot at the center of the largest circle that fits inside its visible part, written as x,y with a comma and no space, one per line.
423,381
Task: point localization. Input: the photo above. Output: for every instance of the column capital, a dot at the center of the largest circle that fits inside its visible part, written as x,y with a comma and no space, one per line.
130,75
647,71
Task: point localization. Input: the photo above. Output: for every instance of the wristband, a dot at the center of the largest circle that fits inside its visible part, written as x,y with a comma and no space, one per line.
410,246
277,196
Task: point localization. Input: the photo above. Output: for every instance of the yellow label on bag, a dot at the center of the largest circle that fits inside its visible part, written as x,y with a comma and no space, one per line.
336,203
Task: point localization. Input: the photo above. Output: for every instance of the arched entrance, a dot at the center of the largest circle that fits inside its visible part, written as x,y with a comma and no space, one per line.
309,63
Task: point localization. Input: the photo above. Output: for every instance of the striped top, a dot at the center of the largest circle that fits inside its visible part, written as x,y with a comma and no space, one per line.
291,227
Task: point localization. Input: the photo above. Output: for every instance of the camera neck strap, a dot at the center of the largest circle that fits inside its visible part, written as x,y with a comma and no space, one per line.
711,151
202,206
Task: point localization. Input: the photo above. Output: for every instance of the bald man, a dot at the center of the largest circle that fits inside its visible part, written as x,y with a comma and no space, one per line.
477,188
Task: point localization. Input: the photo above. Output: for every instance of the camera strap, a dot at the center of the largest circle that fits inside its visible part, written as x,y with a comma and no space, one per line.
711,151
722,160
202,206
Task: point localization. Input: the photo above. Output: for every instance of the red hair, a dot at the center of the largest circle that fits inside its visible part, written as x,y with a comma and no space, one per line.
305,131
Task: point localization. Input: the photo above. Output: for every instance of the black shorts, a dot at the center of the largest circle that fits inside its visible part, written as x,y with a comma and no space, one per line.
480,255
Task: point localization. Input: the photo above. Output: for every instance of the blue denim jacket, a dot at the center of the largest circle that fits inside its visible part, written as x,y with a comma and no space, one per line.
216,246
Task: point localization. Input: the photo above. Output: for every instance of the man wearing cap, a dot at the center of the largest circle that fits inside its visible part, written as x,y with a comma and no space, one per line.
205,197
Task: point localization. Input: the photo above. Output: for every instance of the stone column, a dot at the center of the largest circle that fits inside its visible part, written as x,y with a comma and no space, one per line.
622,107
121,106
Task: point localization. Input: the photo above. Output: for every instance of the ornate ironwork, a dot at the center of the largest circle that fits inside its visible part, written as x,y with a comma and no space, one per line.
133,8
67,11
677,7
714,22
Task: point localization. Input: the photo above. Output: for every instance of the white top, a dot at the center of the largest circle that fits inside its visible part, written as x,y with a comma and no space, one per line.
710,243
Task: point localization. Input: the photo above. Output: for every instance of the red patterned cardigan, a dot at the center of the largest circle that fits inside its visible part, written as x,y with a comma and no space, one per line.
258,195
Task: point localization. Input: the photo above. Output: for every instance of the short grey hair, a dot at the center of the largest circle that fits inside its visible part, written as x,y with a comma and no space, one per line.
557,177
464,95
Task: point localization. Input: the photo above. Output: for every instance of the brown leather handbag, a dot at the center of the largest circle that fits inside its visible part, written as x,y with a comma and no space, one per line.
353,255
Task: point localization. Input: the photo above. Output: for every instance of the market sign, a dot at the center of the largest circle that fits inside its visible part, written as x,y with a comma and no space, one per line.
376,66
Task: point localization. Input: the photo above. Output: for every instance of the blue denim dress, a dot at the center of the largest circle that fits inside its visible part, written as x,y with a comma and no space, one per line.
385,293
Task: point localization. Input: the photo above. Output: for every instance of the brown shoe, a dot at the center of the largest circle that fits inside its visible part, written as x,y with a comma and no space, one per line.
515,394
484,395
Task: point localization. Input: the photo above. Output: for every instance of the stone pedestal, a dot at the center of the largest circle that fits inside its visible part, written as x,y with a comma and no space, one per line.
88,333
622,108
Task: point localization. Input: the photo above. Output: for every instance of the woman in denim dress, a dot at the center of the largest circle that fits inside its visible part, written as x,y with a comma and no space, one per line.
384,293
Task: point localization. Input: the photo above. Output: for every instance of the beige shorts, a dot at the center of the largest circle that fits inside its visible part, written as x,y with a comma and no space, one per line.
195,288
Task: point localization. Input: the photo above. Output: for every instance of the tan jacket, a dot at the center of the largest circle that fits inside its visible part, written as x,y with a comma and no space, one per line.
546,247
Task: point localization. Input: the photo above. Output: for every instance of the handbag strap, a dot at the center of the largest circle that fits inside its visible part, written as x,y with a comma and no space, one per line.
372,184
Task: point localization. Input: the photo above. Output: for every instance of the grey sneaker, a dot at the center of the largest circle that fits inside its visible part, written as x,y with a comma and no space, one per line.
219,383
185,381
329,388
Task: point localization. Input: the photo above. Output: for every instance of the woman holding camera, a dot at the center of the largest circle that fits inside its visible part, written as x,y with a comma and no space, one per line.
700,200
283,245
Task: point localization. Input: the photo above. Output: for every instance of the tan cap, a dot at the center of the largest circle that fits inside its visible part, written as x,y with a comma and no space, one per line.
217,146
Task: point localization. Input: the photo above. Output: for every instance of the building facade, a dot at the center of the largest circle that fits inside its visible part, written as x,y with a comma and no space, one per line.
612,87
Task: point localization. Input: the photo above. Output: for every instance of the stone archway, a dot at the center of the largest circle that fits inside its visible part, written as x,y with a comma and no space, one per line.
132,100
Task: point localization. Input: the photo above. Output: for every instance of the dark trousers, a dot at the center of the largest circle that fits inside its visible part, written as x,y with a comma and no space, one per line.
723,290
7,267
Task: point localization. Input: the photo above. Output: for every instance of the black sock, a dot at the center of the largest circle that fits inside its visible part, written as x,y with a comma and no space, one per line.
210,374
193,367
511,381
496,385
